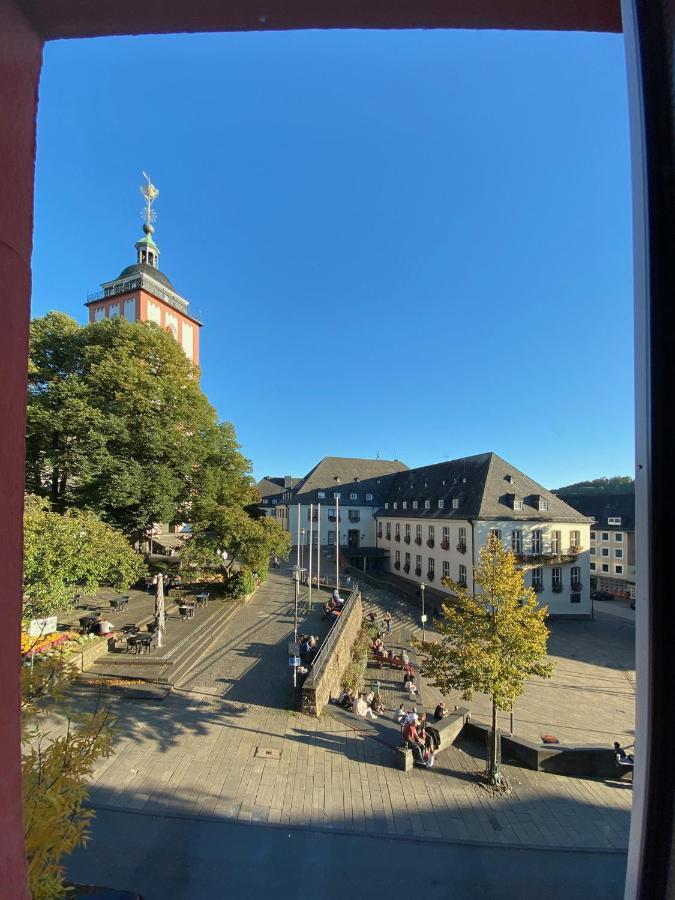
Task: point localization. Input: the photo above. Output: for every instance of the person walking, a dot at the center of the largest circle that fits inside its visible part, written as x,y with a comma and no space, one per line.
388,621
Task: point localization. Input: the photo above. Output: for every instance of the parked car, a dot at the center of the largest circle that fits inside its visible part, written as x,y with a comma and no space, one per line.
602,595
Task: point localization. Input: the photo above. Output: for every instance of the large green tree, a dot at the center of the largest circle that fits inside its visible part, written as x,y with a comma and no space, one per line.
492,641
71,552
118,424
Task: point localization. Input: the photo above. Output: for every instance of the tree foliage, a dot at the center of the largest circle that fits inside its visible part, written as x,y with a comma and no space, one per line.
118,424
55,771
492,640
71,552
617,484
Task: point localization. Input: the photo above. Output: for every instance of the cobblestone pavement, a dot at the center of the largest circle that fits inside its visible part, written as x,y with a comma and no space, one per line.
226,746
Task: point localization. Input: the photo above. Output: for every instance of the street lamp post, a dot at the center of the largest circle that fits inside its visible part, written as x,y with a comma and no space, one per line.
424,617
302,547
297,571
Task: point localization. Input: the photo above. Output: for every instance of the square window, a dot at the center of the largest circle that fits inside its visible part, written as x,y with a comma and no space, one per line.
605,536
353,496
618,553
518,505
605,567
614,520
592,551
592,567
322,495
543,505
369,496
604,551
618,570
618,537
592,535
337,495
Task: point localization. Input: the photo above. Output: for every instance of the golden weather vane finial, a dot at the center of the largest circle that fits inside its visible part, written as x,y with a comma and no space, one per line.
150,193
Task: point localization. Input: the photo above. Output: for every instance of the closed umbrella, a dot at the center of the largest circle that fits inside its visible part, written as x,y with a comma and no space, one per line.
159,609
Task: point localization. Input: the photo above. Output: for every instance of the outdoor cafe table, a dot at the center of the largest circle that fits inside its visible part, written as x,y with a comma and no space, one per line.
201,598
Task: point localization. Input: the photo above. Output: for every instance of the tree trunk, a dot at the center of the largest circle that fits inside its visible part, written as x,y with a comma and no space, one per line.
494,775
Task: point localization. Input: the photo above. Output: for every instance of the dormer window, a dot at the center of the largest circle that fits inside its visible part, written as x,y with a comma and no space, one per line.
353,496
427,504
264,501
274,501
395,504
614,520
369,496
517,504
441,504
455,502
543,505
404,504
386,506
321,495
414,504
510,479
337,495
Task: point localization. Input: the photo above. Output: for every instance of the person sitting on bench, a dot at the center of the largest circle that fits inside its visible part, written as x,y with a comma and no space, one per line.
401,714
413,742
623,758
441,711
361,708
346,699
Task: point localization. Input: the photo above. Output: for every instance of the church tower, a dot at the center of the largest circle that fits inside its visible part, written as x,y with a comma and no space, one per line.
141,293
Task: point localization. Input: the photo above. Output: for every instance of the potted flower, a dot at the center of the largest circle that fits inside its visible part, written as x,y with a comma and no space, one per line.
406,568
418,571
418,541
430,542
461,548
557,588
397,564
538,588
430,575
407,538
397,537
445,545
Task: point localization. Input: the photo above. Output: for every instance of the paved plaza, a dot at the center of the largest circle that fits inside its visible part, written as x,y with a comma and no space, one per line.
226,749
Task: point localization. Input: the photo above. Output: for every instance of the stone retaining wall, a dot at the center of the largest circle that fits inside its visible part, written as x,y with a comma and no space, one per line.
319,687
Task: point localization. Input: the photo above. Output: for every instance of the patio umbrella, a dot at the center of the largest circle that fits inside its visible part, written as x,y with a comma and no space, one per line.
159,609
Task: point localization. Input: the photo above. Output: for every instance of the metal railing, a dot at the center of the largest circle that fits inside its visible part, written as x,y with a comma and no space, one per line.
329,641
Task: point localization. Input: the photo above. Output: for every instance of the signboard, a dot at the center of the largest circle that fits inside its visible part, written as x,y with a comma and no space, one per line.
423,618
39,627
294,661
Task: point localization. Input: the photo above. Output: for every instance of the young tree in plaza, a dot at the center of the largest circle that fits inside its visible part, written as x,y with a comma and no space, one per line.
118,424
493,640
67,553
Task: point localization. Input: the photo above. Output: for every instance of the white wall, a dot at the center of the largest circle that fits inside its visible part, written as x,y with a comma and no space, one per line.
365,526
476,536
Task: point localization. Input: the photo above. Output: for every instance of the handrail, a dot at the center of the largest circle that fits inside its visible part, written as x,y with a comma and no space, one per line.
335,629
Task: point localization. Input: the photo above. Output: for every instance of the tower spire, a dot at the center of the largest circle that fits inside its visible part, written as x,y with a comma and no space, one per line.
146,248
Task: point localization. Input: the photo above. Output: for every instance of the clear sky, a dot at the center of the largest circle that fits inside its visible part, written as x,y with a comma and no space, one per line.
416,244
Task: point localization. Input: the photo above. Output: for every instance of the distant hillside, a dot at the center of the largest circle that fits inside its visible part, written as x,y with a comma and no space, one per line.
618,484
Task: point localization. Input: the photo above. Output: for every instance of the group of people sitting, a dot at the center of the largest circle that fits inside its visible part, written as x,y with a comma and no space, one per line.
333,607
419,735
309,644
368,705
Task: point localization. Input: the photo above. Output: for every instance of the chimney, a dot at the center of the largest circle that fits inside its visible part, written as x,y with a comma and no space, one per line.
288,481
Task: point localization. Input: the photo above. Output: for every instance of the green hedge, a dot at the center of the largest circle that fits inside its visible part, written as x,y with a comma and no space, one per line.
240,584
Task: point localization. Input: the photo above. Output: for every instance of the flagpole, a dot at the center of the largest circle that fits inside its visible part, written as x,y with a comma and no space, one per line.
337,544
298,559
318,550
311,516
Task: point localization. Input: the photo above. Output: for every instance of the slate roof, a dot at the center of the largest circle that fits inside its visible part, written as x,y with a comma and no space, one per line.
271,485
145,269
484,485
346,475
602,506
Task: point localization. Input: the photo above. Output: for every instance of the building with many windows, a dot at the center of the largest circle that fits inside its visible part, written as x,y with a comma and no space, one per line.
428,523
612,548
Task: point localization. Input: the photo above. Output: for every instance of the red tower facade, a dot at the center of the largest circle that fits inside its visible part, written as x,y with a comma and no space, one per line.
141,293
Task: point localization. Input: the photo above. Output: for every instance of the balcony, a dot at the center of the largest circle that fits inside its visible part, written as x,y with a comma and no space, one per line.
430,542
461,548
445,545
545,559
418,541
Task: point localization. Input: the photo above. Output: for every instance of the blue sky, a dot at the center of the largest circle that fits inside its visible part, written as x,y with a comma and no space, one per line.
416,244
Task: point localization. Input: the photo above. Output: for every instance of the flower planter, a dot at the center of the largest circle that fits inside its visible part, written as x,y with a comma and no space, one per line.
406,568
431,576
557,588
418,572
397,537
445,545
397,565
461,548
418,541
430,542
407,538
537,588
576,587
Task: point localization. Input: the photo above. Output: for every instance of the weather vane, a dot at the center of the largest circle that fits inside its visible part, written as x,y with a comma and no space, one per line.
150,193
